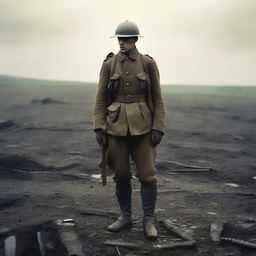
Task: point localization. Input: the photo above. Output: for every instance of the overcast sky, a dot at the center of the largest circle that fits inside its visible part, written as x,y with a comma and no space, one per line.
192,41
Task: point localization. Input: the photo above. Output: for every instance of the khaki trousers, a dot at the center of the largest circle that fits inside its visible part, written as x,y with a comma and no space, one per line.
140,149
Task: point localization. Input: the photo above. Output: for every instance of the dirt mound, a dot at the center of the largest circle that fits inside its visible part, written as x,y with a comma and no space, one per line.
47,101
243,119
7,124
27,164
23,163
10,200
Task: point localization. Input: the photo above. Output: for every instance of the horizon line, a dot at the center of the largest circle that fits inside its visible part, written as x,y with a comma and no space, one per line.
162,84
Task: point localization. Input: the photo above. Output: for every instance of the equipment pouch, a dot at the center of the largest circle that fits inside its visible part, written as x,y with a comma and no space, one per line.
113,111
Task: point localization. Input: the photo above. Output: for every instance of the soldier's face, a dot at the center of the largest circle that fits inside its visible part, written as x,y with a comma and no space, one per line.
126,44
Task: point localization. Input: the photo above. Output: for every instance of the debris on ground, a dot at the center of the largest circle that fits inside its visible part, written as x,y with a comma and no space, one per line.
172,236
211,213
175,231
216,230
238,242
69,237
217,236
233,185
188,168
6,124
172,245
238,137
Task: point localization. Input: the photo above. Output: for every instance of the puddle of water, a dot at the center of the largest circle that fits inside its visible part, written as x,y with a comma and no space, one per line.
42,243
9,246
18,245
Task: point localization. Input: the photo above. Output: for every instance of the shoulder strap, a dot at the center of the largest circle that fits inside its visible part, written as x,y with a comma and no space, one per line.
145,66
113,65
111,54
110,85
149,88
113,62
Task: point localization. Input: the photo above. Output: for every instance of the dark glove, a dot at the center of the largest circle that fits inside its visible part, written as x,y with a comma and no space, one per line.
101,137
156,137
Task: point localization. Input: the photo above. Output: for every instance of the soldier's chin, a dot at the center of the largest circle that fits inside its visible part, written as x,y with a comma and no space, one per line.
122,50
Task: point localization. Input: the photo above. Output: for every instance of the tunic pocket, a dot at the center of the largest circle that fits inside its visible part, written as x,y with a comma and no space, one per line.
114,81
143,81
113,111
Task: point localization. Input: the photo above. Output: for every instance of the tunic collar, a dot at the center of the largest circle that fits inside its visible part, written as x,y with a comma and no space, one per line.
133,55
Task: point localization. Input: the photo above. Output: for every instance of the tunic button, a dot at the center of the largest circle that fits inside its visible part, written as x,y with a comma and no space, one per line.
126,72
127,84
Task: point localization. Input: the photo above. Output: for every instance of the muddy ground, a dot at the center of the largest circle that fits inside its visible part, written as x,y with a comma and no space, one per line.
49,159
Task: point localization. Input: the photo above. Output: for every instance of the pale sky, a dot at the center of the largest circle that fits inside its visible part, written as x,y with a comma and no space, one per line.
193,41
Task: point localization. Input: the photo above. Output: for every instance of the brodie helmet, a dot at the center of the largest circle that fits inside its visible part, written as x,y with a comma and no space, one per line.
127,29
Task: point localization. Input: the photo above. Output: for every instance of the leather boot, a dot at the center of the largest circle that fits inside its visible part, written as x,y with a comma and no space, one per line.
148,196
123,194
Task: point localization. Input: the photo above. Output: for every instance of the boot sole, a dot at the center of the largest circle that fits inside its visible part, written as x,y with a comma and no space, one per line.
126,226
151,237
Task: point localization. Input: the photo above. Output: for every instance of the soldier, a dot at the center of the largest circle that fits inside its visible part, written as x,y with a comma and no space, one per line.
129,116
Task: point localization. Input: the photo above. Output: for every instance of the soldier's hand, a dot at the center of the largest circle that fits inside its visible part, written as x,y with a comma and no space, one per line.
100,137
156,137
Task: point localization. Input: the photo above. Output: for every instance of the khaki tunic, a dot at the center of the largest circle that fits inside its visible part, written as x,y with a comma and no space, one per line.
129,77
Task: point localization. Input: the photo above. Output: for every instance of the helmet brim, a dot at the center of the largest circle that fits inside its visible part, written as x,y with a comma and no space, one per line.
125,36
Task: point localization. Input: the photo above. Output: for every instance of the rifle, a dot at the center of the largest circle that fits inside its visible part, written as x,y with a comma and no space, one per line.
110,88
103,164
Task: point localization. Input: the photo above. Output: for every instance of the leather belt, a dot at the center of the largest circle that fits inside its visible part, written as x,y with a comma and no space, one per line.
129,98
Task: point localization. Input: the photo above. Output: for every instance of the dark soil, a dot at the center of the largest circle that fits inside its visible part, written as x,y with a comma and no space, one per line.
49,171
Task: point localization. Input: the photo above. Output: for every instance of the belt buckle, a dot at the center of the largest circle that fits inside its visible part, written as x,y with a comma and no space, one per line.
128,99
